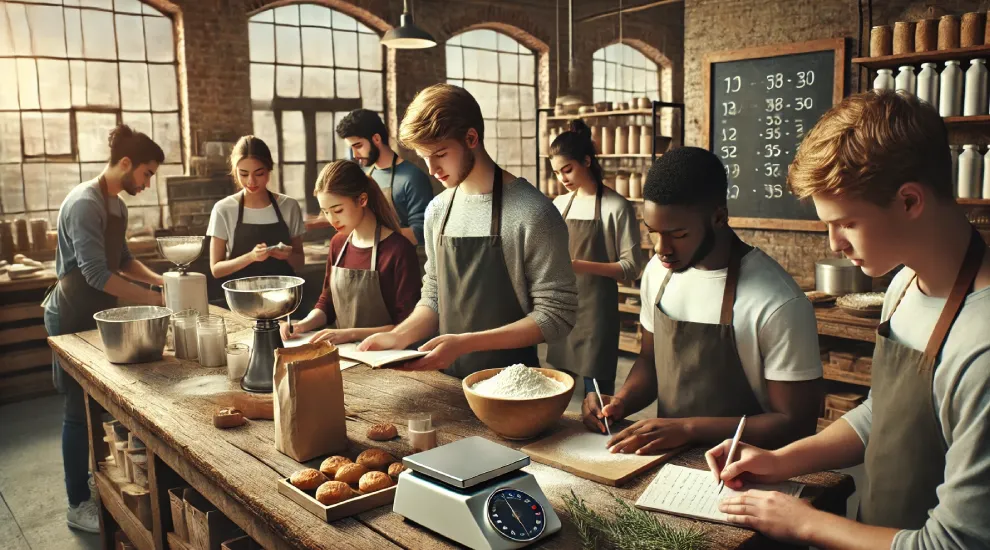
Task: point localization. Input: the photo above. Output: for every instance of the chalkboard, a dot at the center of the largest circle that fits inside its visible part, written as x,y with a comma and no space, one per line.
760,104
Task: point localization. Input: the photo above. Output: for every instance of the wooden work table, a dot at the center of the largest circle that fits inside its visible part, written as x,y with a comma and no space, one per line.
169,405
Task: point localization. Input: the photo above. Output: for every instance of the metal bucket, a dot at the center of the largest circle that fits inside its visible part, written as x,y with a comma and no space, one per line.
839,276
134,334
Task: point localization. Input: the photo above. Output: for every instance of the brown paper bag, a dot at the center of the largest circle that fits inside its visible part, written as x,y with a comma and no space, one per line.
309,401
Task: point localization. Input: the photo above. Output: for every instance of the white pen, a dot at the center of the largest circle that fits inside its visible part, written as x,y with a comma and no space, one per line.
732,448
601,404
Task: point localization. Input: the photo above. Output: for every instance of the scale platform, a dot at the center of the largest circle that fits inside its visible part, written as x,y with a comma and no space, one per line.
473,492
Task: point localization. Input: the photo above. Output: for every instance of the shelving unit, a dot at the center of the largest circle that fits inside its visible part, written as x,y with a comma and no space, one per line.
917,58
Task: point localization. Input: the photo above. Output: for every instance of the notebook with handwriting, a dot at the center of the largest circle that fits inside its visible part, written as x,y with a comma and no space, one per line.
694,493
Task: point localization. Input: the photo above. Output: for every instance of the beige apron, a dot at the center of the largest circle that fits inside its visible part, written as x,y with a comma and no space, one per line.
77,301
592,347
357,293
905,455
699,372
475,291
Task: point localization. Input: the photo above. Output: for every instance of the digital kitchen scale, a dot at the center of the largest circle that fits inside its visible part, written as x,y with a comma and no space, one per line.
474,492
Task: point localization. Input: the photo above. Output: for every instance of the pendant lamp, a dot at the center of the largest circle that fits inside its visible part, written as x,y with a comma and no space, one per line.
407,36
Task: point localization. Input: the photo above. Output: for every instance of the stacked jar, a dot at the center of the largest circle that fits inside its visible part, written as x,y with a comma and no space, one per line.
973,174
211,339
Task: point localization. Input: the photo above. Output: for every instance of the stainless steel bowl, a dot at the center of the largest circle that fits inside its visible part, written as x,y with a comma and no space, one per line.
264,298
133,334
181,251
839,276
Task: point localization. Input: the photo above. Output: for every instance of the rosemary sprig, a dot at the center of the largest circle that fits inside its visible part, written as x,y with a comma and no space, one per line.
629,528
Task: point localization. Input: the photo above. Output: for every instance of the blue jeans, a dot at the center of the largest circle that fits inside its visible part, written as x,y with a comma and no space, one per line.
606,386
75,434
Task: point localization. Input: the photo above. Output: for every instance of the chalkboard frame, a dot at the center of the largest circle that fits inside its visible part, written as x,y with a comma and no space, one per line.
709,59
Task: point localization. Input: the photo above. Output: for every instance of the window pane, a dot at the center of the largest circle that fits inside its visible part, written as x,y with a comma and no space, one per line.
340,145
371,52
101,84
77,74
487,96
73,32
508,102
8,92
90,170
62,177
347,84
324,136
167,135
509,128
6,40
58,136
598,74
527,102
127,6
507,43
287,47
261,38
161,180
47,30
488,65
266,16
130,37
287,15
508,67
343,21
35,187
372,96
455,62
158,34
288,81
18,25
264,128
53,78
480,39
98,35
27,83
345,49
164,88
11,188
294,182
92,130
317,82
134,87
262,82
317,46
10,137
527,69
139,122
471,63
34,134
311,14
293,137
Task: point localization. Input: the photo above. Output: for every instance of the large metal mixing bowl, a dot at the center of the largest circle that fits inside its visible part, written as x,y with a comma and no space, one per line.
181,251
133,334
264,298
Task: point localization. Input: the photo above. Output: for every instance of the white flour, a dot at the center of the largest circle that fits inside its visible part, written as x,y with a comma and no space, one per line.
184,253
590,448
519,382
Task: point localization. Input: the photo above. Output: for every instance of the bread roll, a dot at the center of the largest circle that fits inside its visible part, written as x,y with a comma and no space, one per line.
333,492
350,473
396,468
374,481
382,432
332,464
308,479
375,459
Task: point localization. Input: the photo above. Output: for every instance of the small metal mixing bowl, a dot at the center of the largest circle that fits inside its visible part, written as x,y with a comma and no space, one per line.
134,334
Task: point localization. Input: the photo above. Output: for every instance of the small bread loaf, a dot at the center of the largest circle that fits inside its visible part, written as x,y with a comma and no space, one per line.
308,479
382,432
333,492
396,468
375,459
374,481
332,464
350,473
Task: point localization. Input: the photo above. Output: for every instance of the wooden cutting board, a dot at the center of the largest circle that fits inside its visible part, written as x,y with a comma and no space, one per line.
576,450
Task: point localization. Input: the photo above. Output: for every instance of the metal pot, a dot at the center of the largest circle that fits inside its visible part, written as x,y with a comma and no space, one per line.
839,276
134,334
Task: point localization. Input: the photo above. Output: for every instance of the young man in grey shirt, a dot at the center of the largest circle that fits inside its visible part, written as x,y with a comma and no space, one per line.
878,169
498,274
406,186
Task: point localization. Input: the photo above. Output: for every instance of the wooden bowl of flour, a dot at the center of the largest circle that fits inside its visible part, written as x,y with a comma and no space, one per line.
518,417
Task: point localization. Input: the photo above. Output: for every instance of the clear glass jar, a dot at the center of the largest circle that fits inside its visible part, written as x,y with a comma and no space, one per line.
184,335
212,340
238,356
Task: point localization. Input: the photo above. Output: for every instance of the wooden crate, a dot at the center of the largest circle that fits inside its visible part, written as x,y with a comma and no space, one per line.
843,401
207,527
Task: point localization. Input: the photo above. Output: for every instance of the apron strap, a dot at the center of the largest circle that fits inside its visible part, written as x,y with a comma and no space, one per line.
342,249
731,281
598,203
278,212
240,208
567,208
960,289
391,177
374,247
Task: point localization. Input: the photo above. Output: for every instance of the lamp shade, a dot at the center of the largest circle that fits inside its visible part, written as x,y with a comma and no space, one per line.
408,36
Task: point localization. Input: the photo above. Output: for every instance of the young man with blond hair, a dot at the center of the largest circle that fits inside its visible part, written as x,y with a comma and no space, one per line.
877,167
498,273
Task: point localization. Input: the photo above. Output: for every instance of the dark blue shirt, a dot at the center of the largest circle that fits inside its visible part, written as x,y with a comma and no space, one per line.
411,193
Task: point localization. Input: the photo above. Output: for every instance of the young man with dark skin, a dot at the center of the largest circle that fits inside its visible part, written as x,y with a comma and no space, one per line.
878,169
726,331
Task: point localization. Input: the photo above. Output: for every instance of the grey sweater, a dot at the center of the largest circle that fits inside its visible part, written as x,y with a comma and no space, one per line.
961,394
534,242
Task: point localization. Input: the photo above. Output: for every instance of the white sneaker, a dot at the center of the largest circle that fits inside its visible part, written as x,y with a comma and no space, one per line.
85,517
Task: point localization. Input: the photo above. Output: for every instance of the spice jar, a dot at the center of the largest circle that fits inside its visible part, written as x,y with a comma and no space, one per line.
184,335
237,360
211,339
621,140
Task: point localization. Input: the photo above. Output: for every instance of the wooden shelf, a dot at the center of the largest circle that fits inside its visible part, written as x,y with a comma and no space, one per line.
626,308
628,290
838,375
894,61
630,348
833,321
967,121
974,202
630,112
128,522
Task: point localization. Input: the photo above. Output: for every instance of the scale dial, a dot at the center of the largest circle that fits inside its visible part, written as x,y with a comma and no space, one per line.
515,515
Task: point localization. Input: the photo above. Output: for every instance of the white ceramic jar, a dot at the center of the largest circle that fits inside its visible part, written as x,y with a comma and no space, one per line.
928,84
970,170
884,80
975,97
950,90
906,81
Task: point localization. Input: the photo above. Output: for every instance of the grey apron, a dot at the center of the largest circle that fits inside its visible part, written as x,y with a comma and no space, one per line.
905,455
357,293
77,300
699,372
592,347
475,292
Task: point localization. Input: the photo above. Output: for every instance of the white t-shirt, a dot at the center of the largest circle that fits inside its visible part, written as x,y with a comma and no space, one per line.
775,327
223,219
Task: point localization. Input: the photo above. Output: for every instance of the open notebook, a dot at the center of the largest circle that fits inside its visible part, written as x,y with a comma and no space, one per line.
304,338
694,493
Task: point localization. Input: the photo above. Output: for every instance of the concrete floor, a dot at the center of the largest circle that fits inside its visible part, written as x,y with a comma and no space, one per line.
32,491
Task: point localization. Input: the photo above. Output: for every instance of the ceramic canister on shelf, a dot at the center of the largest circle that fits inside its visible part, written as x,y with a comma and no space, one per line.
970,170
596,138
903,37
971,30
621,140
926,35
884,80
635,185
622,184
633,141
975,96
906,80
928,84
954,151
950,90
608,141
948,32
646,140
881,40
986,176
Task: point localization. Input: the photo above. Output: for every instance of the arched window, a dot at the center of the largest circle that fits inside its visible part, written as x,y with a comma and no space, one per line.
310,66
501,74
621,73
70,74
